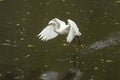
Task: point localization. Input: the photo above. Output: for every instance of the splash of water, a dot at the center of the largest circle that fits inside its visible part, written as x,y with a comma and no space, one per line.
70,74
110,40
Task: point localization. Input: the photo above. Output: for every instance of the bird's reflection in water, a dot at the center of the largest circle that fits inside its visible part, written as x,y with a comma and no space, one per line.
70,74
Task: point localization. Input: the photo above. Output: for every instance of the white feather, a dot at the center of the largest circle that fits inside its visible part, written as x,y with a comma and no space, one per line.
57,26
71,35
74,27
73,31
47,33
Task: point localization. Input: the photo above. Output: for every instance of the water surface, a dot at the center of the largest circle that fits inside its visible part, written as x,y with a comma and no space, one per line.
24,57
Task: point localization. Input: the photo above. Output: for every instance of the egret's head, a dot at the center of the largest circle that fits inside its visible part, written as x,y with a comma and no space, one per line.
52,22
55,23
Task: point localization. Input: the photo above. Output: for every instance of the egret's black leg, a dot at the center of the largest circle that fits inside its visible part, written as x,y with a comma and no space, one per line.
78,40
74,41
81,45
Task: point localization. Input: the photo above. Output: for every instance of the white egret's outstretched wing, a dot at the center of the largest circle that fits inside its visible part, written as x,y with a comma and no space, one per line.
47,33
73,30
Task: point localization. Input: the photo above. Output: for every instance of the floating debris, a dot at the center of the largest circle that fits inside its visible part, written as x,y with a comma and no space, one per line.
15,45
23,29
47,3
16,59
17,77
9,22
8,40
31,6
50,75
67,13
103,70
45,66
21,32
91,11
9,43
36,50
22,39
23,19
0,74
82,62
27,56
91,79
18,24
118,1
71,61
28,13
97,2
45,19
88,22
8,72
72,4
85,68
105,14
6,44
77,62
64,60
117,23
103,23
20,77
63,0
46,50
102,60
93,76
81,10
46,60
64,44
95,68
14,41
41,3
1,0
20,70
109,61
30,45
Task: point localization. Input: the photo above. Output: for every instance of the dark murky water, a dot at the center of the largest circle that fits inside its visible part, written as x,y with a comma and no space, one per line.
24,57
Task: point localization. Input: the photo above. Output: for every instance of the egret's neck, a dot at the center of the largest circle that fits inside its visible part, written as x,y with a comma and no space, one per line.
62,29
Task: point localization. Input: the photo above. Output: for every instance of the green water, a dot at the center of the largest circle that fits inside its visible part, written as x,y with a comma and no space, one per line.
24,57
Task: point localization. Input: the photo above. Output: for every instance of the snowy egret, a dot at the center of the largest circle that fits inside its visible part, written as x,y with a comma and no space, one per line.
56,27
